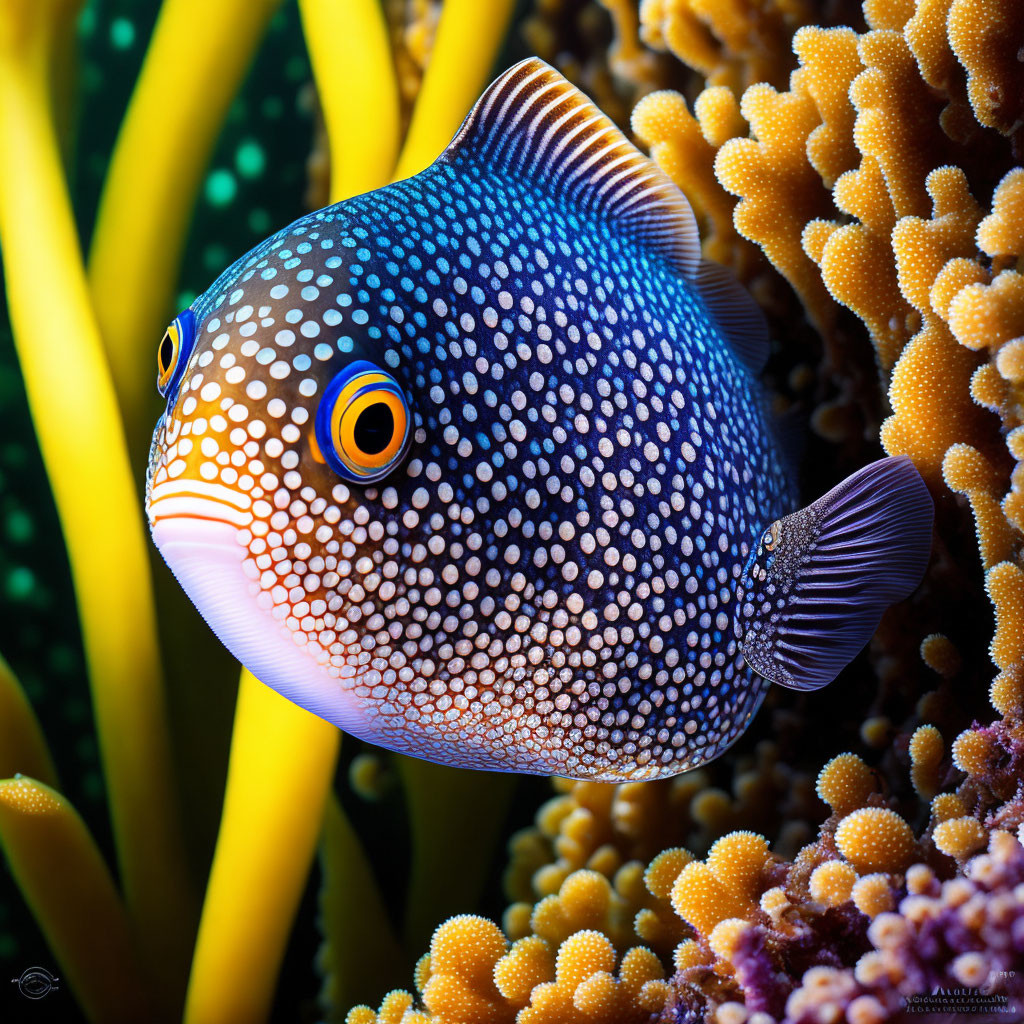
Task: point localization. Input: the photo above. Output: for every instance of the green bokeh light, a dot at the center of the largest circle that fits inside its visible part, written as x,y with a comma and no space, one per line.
259,221
18,527
250,160
221,187
20,583
122,34
215,258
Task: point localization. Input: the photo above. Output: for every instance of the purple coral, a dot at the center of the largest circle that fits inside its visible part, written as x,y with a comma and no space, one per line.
958,944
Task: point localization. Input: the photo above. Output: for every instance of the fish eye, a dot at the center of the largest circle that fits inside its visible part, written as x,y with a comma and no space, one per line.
362,423
173,351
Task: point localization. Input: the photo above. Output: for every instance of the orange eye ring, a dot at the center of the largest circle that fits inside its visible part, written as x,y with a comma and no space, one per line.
363,423
173,351
371,429
167,356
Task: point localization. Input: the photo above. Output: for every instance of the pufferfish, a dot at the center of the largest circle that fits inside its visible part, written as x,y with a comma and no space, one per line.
478,468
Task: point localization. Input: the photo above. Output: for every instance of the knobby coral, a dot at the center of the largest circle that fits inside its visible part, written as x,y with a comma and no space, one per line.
855,927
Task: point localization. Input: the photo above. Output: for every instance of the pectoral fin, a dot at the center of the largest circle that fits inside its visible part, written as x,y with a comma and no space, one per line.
820,579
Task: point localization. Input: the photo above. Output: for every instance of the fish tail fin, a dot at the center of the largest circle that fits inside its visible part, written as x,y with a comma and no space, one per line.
819,580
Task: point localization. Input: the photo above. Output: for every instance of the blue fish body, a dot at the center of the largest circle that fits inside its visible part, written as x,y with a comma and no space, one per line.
477,465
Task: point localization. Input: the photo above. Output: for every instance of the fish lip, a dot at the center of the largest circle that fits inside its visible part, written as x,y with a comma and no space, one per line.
197,500
176,529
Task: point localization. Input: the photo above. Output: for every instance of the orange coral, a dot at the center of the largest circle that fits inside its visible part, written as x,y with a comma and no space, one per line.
726,937
395,1008
779,190
940,655
946,806
1001,233
845,783
1007,691
702,900
934,371
872,895
676,140
463,954
959,837
986,37
830,61
972,752
585,900
585,988
609,829
985,315
875,839
966,471
926,750
730,42
527,964
472,975
832,882
1005,585
738,861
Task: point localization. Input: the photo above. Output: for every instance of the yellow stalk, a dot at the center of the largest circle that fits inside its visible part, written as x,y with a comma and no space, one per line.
61,874
279,774
469,35
80,435
361,958
197,57
282,757
23,747
350,54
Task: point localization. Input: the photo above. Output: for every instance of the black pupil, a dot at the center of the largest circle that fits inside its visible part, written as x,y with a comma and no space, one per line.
374,428
166,351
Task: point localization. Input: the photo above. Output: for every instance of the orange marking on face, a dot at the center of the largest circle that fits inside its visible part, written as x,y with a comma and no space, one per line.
314,448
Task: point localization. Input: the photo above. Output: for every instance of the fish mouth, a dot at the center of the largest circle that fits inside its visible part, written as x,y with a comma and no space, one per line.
197,500
201,536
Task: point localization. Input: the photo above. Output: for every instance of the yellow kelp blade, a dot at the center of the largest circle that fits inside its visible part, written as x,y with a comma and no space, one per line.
360,106
61,874
197,57
82,443
280,771
469,35
361,957
23,748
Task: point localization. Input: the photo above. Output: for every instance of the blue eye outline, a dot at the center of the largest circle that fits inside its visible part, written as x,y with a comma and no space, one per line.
172,354
359,387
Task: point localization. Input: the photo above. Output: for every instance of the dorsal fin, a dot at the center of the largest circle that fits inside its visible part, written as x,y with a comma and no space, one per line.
531,123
